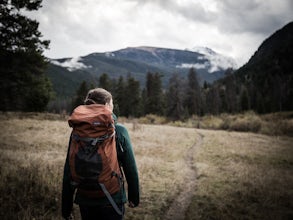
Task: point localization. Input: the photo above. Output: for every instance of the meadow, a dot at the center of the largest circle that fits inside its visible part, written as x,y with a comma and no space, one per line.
185,173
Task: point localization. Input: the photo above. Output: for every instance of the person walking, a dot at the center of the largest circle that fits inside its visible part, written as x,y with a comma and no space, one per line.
109,206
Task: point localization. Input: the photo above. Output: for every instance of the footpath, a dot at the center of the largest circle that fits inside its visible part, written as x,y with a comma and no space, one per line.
181,203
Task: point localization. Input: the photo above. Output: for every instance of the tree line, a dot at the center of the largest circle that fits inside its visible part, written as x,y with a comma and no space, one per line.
184,97
181,99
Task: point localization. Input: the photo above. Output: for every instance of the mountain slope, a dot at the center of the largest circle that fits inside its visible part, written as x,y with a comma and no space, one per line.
65,82
277,49
268,75
136,61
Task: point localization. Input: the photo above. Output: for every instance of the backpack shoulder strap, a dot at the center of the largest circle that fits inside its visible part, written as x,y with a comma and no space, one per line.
109,197
119,148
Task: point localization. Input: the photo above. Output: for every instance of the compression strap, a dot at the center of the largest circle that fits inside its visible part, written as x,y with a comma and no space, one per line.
110,199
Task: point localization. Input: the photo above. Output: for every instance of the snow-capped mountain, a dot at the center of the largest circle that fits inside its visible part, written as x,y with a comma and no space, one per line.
215,61
138,61
201,58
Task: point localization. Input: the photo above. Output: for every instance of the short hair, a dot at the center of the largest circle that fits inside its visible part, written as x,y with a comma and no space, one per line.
98,96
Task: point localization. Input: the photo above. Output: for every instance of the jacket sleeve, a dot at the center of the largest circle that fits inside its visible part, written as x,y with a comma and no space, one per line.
129,165
67,190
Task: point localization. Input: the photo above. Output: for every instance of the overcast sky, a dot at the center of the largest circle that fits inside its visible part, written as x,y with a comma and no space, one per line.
230,27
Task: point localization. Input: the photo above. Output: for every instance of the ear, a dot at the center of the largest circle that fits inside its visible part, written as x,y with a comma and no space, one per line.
110,105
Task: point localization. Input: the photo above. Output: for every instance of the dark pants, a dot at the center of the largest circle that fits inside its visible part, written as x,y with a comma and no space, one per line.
100,212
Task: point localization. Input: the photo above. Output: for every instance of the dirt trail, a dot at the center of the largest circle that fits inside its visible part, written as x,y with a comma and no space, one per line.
179,206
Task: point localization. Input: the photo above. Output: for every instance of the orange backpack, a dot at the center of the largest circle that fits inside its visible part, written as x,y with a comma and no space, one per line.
93,162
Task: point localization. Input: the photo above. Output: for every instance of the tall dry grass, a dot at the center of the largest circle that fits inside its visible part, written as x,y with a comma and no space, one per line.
277,124
160,154
240,175
243,176
32,156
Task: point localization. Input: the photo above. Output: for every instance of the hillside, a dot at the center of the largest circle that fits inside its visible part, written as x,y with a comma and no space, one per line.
267,78
137,61
64,82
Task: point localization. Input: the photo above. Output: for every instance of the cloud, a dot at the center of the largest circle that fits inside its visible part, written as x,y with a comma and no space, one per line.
232,28
215,61
71,64
194,10
194,65
254,16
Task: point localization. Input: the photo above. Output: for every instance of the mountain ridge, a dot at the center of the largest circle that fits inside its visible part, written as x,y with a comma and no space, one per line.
137,61
267,78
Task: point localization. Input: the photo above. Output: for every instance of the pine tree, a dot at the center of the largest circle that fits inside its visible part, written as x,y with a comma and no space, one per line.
231,92
80,95
213,100
193,93
174,98
24,87
120,97
244,100
105,82
132,98
154,94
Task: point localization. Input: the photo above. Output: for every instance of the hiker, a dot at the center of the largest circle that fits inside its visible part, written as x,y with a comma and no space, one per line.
97,204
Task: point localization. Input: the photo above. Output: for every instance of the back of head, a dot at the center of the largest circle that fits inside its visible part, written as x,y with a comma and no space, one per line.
98,96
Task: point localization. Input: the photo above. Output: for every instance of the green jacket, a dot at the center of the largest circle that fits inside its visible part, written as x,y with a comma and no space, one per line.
128,164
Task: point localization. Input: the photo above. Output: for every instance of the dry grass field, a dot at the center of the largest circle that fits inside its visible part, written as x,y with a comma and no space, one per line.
243,176
207,174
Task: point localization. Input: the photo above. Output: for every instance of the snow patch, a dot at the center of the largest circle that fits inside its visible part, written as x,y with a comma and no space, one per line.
71,64
215,61
109,54
194,65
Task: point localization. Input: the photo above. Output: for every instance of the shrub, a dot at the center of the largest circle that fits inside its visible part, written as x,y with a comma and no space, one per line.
152,119
248,122
211,122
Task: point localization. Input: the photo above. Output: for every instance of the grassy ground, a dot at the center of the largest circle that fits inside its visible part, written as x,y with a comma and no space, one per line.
243,176
279,123
240,175
31,156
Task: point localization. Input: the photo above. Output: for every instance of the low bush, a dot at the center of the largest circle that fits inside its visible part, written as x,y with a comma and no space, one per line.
248,122
153,119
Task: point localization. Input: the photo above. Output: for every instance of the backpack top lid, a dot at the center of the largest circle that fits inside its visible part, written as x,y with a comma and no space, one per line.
92,120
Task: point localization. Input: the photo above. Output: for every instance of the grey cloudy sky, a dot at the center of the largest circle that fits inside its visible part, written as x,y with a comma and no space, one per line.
232,28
